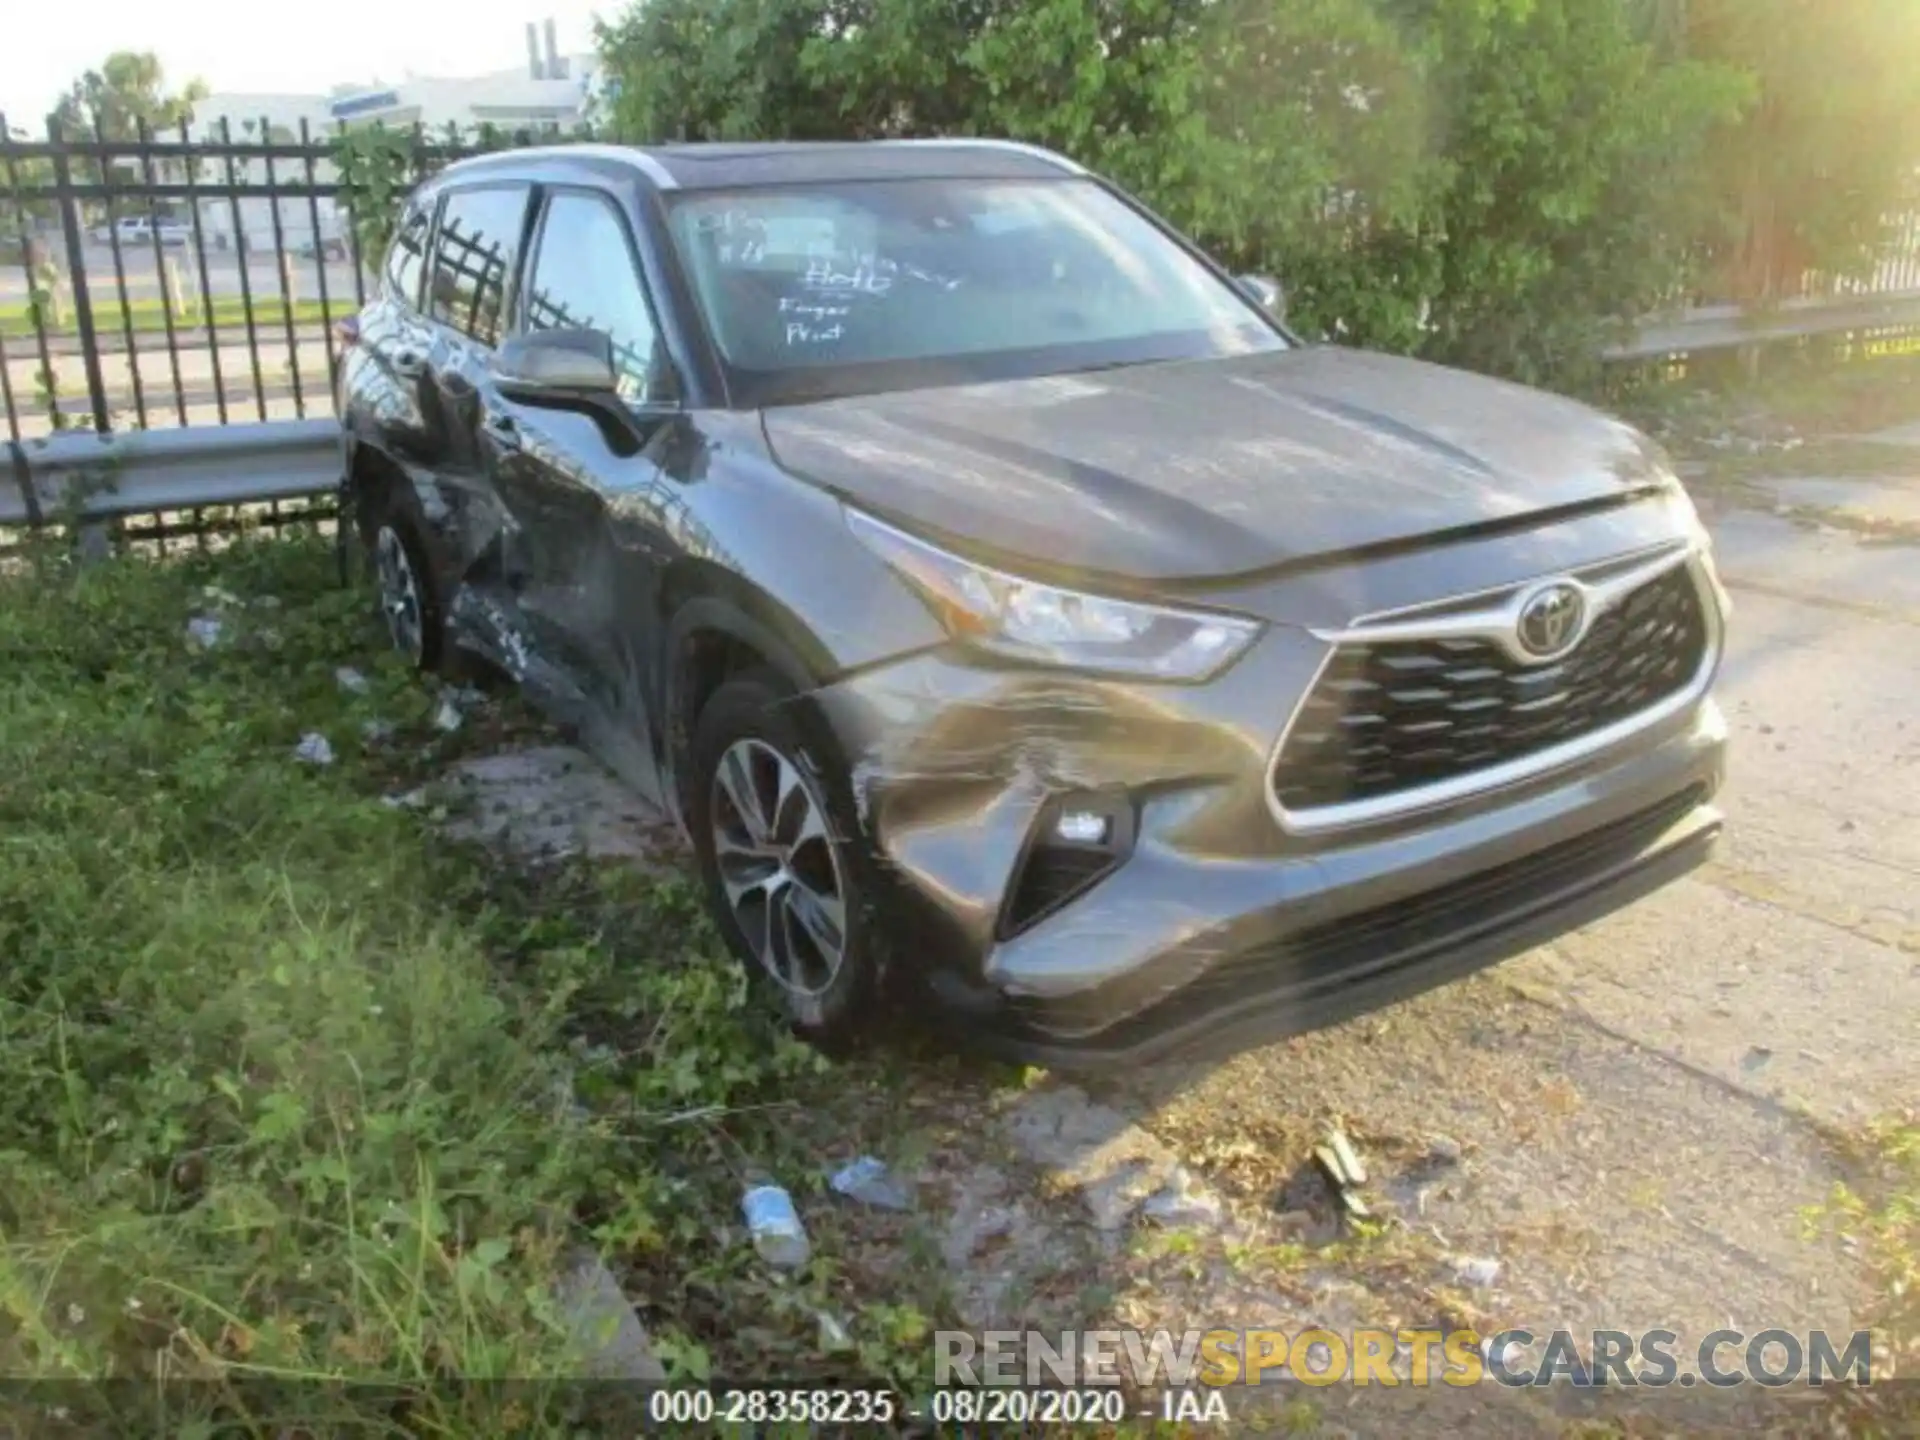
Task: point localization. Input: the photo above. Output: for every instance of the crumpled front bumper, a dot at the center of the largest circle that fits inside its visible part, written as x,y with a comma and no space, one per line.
1219,929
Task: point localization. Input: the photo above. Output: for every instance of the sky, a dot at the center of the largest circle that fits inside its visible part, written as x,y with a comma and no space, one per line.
277,48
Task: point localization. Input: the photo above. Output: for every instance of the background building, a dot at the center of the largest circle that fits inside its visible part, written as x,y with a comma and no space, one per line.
548,93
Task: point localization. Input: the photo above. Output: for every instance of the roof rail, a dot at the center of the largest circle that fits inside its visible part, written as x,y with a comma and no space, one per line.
585,150
632,155
1017,146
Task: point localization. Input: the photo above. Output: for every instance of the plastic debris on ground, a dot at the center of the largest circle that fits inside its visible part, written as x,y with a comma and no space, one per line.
834,1339
868,1181
778,1236
1181,1202
314,749
455,702
350,680
1345,1171
1480,1273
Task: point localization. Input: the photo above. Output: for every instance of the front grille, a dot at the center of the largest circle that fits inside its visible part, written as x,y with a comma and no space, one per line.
1392,715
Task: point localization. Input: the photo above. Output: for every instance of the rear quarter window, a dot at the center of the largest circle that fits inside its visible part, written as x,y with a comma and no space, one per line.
407,255
476,252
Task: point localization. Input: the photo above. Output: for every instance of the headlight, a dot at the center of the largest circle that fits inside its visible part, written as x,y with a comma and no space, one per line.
1030,621
1702,541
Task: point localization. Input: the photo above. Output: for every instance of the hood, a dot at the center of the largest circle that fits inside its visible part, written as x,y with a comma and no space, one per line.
1204,469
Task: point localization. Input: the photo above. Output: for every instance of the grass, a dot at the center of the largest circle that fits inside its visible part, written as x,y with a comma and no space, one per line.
285,1079
148,315
292,1088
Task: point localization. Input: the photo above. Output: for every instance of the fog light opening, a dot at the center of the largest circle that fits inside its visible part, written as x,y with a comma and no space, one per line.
1078,839
1082,827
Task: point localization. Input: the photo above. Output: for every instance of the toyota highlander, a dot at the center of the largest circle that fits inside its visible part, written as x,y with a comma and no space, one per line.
1004,600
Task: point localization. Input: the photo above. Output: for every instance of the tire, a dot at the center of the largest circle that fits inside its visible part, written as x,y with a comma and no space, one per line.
746,744
416,626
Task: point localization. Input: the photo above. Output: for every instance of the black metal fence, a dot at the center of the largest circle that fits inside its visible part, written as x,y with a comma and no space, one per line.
161,280
151,281
156,281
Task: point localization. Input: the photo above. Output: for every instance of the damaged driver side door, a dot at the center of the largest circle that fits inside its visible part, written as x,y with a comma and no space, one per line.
573,461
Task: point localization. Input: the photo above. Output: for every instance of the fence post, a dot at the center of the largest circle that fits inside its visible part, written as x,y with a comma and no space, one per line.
49,291
176,286
77,275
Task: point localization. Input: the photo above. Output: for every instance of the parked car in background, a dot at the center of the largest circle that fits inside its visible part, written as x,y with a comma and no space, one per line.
331,247
142,230
1006,602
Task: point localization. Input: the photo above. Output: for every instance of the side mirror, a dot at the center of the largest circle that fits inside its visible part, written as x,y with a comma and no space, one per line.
1265,292
567,368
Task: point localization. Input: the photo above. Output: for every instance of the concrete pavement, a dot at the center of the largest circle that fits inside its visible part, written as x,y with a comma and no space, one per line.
223,273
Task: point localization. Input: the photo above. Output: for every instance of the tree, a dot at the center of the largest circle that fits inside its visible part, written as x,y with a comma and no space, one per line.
116,102
1576,179
1490,182
1831,150
126,92
25,205
720,70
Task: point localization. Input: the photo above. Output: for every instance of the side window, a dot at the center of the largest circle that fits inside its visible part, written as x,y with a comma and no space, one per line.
584,279
407,255
475,251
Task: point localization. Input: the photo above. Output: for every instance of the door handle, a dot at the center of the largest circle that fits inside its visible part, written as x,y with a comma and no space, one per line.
502,430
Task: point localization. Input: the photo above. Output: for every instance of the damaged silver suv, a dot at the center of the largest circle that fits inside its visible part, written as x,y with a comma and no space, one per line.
1005,601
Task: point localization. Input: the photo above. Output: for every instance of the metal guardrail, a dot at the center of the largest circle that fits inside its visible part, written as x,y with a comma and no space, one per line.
1730,327
80,474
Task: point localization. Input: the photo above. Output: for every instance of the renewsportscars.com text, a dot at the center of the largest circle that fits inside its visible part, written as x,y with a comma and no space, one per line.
1516,1357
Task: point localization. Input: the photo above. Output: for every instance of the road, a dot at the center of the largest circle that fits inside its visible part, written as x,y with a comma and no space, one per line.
223,273
203,372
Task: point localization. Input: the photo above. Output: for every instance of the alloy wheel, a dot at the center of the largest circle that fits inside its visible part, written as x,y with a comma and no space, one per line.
778,866
399,594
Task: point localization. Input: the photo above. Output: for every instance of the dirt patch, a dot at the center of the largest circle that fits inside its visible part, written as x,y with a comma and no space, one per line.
551,802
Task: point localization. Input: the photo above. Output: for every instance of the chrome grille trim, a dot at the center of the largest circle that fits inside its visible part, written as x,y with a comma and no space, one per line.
1491,616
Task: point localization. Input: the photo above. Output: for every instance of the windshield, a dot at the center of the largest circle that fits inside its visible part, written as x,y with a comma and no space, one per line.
833,289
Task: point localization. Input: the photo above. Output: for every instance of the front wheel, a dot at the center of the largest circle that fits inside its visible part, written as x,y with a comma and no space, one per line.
785,875
409,604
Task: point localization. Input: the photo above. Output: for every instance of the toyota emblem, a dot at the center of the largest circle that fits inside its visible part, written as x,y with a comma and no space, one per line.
1551,620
